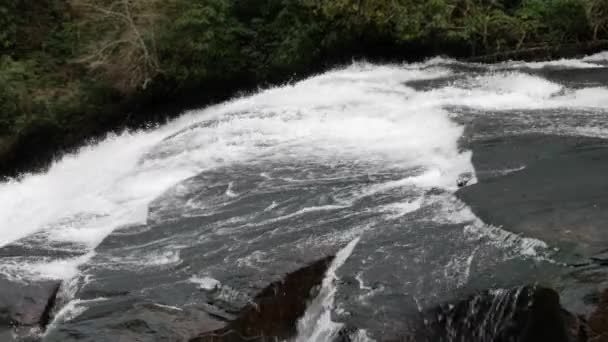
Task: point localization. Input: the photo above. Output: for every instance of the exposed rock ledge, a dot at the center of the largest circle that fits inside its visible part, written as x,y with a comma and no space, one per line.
521,314
276,309
25,308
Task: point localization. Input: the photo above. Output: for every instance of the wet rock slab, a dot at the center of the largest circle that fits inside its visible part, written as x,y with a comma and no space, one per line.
135,321
275,311
598,320
25,307
576,78
553,188
523,314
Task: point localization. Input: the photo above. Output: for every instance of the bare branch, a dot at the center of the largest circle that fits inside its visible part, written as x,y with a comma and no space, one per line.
125,54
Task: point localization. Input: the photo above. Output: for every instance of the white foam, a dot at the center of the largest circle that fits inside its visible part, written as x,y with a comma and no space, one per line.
361,336
459,268
156,258
272,205
511,170
520,83
316,324
206,283
70,311
363,112
450,209
400,209
500,91
168,307
229,191
445,177
598,57
359,112
512,90
253,260
560,63
595,97
362,285
26,268
563,63
592,131
220,291
523,246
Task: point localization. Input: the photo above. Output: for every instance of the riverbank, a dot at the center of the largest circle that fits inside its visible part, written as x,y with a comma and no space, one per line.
36,147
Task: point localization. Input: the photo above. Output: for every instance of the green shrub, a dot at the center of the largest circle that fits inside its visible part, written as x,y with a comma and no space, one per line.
597,15
8,24
201,41
15,80
555,21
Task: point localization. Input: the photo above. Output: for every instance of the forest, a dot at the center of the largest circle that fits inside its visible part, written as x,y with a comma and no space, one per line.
73,70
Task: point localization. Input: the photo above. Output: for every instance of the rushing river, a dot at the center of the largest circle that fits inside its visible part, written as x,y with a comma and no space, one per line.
363,162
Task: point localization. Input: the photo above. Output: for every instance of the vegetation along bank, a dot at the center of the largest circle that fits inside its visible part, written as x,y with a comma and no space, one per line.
73,70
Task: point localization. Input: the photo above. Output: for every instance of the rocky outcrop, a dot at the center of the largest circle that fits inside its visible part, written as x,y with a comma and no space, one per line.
120,319
26,307
523,314
598,321
536,187
275,311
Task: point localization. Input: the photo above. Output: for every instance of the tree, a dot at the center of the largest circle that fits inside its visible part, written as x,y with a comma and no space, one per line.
8,24
597,14
120,40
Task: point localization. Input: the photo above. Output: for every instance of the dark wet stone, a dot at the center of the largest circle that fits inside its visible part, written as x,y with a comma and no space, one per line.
525,314
47,314
556,190
33,250
26,304
598,321
6,334
276,309
463,180
576,78
129,321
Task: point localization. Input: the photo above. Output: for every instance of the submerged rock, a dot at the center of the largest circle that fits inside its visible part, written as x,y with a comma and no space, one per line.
276,309
463,180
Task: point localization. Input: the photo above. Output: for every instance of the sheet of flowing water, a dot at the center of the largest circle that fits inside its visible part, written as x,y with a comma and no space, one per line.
233,196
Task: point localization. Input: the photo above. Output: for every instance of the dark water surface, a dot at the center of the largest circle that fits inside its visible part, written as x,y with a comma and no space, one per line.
169,233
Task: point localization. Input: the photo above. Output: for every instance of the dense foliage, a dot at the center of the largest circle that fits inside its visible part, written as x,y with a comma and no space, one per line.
70,69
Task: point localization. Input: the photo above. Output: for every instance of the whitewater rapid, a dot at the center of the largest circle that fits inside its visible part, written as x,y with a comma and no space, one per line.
363,112
362,119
